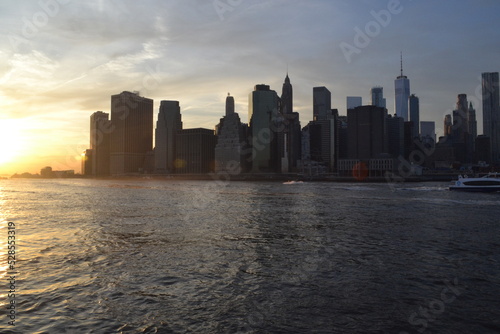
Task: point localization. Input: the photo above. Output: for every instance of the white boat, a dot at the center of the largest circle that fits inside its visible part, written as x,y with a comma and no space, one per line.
487,183
293,182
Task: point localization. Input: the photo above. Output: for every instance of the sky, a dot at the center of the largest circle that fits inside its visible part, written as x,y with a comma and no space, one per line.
61,60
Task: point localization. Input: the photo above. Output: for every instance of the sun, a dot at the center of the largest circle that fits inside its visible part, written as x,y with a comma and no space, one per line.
11,140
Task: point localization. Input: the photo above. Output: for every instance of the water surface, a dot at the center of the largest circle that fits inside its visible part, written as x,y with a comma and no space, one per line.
149,256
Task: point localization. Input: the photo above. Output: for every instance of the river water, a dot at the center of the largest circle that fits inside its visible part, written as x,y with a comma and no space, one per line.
156,256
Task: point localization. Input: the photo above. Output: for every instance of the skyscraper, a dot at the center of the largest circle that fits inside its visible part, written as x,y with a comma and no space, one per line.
169,122
100,132
132,137
402,90
428,130
366,131
87,162
287,96
229,105
229,151
323,141
415,114
194,150
461,138
395,136
461,116
448,125
491,112
377,94
263,113
291,135
472,126
322,103
321,131
354,102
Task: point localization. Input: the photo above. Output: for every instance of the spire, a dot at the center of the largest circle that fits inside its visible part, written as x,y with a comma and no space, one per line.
401,76
286,96
401,55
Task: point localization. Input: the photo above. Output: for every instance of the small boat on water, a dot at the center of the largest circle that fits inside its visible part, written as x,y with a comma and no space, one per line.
487,183
293,182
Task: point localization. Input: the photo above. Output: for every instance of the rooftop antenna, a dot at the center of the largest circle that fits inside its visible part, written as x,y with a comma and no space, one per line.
401,55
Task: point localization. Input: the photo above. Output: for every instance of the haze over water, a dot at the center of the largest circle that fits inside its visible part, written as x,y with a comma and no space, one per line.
149,256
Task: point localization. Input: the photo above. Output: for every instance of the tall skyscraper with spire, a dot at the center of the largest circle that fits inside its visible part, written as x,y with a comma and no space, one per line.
290,139
491,112
287,97
229,150
402,90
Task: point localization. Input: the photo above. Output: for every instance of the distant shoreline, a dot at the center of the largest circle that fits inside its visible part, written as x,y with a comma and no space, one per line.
259,177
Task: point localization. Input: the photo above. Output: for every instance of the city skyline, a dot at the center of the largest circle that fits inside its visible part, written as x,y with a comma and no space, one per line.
62,60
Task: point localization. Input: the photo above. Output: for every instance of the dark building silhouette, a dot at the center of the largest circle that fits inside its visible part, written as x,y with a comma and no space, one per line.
87,162
472,126
395,136
491,112
323,141
265,126
168,124
321,133
414,103
366,131
101,130
448,125
460,119
409,139
378,99
46,172
342,137
195,151
315,151
483,149
291,135
322,103
287,96
132,136
230,153
464,122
